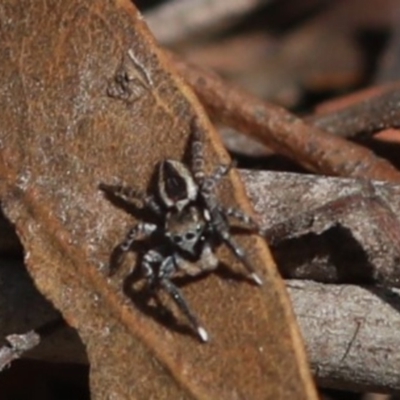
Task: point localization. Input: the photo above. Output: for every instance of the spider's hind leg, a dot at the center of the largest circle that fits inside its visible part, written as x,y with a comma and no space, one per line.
240,253
129,194
210,183
142,229
242,217
197,152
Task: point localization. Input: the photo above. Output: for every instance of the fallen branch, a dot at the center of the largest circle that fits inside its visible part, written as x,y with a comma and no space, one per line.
282,131
365,112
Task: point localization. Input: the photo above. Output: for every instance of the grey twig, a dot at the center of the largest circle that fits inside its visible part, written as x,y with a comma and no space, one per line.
17,345
23,308
177,20
329,229
351,334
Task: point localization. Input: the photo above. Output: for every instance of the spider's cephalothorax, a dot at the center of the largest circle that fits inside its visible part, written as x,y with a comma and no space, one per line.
192,223
185,229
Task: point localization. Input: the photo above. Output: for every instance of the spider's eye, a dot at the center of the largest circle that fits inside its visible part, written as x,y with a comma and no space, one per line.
177,239
199,228
189,236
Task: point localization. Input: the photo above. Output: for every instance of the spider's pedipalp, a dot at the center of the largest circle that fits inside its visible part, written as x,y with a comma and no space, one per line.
208,259
150,258
141,229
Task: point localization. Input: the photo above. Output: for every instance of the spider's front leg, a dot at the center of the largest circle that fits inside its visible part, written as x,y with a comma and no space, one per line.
149,259
142,229
208,259
167,269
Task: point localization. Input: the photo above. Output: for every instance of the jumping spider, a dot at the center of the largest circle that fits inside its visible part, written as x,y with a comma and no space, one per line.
192,223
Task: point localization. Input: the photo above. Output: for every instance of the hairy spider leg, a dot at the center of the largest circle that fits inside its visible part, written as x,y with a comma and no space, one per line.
168,267
241,255
219,216
197,150
241,217
210,183
221,227
128,194
144,229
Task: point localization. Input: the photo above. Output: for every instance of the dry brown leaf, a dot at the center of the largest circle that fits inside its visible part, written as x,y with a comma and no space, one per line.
389,135
62,133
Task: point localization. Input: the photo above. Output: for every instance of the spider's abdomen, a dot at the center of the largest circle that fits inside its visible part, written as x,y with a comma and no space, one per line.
176,184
